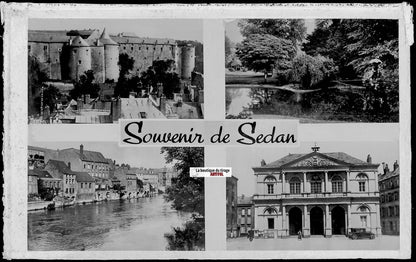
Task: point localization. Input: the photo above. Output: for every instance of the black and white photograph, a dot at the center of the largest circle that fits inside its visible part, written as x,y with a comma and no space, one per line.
314,70
320,196
98,196
98,71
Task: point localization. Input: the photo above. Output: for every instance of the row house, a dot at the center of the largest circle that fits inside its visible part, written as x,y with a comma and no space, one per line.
62,171
245,215
231,206
389,186
317,194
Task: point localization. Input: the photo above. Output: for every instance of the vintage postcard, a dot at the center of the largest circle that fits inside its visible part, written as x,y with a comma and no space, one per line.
178,131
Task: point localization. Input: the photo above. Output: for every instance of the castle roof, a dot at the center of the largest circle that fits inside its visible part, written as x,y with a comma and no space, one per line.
339,158
106,39
79,42
129,39
46,36
86,155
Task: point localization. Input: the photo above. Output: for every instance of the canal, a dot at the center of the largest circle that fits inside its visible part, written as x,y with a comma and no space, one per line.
135,224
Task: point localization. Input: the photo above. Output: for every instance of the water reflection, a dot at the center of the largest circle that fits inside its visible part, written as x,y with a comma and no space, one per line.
136,224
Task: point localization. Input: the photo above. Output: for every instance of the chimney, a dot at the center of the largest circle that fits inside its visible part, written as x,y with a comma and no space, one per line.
395,166
81,149
69,165
242,196
369,160
383,165
386,169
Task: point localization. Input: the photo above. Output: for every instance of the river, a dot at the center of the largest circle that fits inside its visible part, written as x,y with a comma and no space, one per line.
135,224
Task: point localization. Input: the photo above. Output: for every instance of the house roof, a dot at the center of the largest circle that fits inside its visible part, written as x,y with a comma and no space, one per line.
90,156
132,107
389,174
83,177
60,165
41,173
340,157
244,200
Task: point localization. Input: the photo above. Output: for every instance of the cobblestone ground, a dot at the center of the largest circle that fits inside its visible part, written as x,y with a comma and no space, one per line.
315,243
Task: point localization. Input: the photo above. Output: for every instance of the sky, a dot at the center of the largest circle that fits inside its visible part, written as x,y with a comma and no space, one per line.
148,157
178,29
233,31
241,160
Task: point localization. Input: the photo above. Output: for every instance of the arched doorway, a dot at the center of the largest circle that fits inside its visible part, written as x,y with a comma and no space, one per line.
338,220
295,220
317,221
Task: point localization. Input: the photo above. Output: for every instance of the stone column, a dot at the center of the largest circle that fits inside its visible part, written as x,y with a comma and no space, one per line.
306,221
348,182
348,218
283,183
376,189
328,226
346,222
283,221
304,182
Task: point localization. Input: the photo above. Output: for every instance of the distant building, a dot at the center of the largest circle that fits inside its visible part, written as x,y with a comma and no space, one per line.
47,183
85,191
318,194
32,182
231,206
92,162
131,187
389,186
245,211
60,170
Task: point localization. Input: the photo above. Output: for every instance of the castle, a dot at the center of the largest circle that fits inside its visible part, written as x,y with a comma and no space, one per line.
66,55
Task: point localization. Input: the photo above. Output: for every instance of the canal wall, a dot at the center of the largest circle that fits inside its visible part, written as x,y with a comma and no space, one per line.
38,205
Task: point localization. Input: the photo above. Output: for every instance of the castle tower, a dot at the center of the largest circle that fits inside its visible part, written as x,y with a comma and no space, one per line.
79,58
111,53
97,61
188,61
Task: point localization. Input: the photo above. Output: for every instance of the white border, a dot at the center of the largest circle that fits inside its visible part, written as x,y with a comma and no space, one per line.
16,16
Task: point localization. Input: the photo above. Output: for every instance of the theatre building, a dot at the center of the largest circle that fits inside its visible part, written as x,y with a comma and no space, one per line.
317,194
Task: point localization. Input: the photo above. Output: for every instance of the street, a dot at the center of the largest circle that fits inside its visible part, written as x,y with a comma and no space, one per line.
315,243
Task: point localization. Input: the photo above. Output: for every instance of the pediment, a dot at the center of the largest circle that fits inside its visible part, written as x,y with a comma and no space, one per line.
313,161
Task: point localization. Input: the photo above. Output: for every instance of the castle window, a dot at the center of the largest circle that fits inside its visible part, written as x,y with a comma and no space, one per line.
161,49
124,47
140,48
75,51
45,47
79,62
131,48
154,48
147,48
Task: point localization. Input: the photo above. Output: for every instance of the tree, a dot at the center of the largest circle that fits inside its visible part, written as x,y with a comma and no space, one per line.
266,52
36,76
162,72
311,71
124,84
85,85
51,95
189,238
290,29
186,193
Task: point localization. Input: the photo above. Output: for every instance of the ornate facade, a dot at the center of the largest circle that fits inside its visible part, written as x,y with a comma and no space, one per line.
318,194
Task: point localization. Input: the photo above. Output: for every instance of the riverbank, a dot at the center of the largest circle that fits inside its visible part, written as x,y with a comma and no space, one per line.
44,205
132,224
